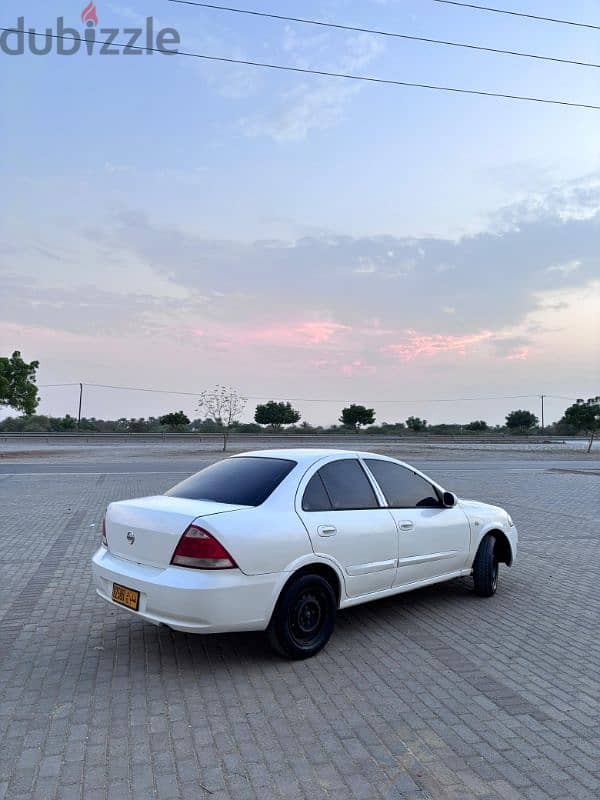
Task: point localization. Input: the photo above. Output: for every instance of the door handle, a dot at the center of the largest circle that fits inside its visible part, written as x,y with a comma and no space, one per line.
407,525
326,530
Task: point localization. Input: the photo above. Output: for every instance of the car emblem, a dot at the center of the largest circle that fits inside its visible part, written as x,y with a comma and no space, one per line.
130,537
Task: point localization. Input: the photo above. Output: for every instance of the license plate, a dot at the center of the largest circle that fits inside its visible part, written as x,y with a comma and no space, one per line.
126,597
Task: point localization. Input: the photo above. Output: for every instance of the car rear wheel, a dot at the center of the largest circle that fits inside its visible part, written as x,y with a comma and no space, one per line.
485,568
304,617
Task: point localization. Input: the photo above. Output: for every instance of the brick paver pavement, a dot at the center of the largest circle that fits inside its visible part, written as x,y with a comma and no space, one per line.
435,694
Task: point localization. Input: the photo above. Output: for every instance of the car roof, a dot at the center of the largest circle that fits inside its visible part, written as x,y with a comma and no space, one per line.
305,455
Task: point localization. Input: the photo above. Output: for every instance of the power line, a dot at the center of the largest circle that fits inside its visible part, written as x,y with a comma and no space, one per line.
55,385
524,14
324,73
339,26
311,399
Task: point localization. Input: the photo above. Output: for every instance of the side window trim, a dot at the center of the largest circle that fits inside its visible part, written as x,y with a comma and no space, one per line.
381,498
325,489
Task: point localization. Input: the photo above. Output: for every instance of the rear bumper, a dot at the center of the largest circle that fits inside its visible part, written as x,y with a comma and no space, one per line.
195,601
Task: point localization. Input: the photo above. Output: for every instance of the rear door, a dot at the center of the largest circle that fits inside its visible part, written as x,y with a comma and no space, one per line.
346,522
432,540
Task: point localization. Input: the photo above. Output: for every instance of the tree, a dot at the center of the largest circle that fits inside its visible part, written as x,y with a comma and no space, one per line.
17,384
138,425
67,423
224,405
354,416
175,421
585,416
521,420
477,425
390,428
276,414
416,424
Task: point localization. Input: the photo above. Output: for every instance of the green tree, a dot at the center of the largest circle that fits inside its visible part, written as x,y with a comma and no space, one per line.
389,427
175,421
139,425
477,425
17,384
354,416
67,423
584,415
276,414
416,424
521,420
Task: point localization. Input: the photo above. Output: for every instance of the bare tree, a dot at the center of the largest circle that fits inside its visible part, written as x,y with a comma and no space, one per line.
223,404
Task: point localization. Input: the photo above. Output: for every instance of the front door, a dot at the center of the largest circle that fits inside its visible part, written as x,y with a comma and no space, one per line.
345,522
432,540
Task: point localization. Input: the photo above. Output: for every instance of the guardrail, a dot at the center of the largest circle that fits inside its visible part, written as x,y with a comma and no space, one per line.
89,436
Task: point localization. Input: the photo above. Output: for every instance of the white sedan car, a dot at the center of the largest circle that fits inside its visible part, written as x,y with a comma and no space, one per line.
278,540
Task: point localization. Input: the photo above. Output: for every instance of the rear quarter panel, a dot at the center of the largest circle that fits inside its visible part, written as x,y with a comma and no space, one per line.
260,540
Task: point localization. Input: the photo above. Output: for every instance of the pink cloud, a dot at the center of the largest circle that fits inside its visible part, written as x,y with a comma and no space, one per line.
298,333
434,344
295,334
342,354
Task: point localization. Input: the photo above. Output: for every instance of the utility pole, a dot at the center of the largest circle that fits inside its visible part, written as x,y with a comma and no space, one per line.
542,399
80,399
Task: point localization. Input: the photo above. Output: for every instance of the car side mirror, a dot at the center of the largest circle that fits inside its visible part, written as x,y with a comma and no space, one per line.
449,499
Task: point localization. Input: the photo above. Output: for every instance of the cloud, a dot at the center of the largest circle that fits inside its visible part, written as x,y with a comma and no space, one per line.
315,332
309,106
565,269
574,200
90,309
418,344
347,280
348,305
518,355
508,345
315,103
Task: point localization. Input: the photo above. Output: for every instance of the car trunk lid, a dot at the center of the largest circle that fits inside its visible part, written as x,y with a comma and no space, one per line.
146,530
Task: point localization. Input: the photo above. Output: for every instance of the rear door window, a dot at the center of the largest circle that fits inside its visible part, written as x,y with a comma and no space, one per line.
243,481
347,485
315,497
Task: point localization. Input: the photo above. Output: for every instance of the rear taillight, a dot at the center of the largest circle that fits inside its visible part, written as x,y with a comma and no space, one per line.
104,540
198,549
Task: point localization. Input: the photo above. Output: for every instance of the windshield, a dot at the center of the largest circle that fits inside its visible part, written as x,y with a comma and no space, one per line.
246,481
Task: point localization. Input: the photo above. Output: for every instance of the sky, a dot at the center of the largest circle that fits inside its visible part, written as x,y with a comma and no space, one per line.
172,223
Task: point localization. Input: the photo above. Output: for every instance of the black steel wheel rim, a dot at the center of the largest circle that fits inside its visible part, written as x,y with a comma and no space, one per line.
307,617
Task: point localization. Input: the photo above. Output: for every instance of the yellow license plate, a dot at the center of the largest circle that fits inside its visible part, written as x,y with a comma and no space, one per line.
126,597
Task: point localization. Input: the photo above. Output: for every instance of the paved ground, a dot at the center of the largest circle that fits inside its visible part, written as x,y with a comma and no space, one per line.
434,694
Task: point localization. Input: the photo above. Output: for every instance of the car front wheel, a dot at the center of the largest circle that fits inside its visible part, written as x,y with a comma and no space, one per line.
304,617
485,568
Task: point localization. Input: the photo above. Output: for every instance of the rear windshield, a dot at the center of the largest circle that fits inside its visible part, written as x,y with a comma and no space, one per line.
243,481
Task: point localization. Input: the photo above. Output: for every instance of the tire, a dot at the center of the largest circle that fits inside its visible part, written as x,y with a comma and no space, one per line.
485,568
304,617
